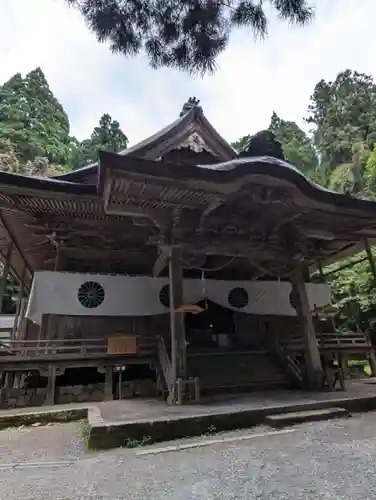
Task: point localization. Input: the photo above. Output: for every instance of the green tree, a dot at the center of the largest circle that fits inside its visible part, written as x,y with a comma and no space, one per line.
33,120
9,161
343,113
297,146
369,176
241,143
187,34
106,137
348,177
353,293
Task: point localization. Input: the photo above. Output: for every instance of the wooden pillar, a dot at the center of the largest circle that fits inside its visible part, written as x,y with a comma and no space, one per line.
51,385
178,343
371,259
312,354
121,368
9,384
4,274
108,383
16,324
21,333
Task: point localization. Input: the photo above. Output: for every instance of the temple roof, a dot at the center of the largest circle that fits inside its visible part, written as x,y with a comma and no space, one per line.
255,201
192,130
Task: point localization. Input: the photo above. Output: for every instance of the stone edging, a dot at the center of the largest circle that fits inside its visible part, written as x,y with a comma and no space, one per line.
106,435
14,419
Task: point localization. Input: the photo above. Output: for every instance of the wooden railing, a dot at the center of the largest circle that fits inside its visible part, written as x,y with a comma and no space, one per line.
328,341
290,363
165,363
34,349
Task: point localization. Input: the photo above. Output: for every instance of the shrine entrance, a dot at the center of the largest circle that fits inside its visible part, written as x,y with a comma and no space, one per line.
213,328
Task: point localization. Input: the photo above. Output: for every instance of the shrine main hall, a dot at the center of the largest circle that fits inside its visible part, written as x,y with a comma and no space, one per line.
176,269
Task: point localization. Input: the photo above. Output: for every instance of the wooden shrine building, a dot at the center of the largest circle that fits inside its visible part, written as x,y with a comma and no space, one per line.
176,261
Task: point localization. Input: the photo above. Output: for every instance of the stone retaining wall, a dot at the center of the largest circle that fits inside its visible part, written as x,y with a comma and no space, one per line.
21,397
80,393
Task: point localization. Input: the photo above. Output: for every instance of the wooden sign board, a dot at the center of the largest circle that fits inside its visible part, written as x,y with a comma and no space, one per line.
122,344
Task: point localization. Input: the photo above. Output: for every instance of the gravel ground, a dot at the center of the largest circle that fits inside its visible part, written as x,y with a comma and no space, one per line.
324,460
47,443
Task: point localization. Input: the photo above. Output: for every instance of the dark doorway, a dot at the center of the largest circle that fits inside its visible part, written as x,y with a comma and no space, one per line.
204,330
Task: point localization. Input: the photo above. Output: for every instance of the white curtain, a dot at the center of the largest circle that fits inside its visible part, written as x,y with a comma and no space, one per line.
56,293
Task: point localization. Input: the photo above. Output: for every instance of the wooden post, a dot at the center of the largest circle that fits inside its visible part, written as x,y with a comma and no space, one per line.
4,274
372,356
19,305
51,385
178,343
313,361
120,382
8,385
108,384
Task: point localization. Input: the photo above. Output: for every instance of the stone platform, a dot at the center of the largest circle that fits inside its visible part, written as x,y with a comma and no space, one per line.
116,423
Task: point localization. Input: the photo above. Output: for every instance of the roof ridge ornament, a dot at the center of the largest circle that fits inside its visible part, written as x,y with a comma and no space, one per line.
264,143
192,102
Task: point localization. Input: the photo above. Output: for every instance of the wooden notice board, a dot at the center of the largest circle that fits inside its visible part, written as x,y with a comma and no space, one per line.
122,344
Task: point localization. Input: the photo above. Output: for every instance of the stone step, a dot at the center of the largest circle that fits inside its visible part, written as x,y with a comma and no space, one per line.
286,419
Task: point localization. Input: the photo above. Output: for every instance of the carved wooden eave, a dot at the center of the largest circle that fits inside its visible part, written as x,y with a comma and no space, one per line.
264,194
260,211
192,131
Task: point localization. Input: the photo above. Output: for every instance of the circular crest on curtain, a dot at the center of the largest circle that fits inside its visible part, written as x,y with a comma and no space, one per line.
238,297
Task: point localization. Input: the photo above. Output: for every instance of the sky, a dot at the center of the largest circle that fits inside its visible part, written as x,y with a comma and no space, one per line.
253,78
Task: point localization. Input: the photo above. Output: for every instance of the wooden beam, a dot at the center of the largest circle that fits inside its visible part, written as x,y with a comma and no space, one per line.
178,343
19,305
312,354
340,268
16,247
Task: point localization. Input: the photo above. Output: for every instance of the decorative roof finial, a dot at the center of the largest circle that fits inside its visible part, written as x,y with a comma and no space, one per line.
192,102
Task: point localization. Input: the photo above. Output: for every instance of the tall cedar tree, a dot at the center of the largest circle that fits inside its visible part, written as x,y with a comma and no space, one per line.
297,147
185,34
343,113
106,137
32,120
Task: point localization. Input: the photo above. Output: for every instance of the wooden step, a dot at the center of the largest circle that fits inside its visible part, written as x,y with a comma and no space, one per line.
286,419
208,390
236,372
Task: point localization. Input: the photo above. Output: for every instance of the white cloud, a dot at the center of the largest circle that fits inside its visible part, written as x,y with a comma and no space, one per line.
253,80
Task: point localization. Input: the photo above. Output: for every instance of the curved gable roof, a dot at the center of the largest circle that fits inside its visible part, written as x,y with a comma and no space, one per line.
166,140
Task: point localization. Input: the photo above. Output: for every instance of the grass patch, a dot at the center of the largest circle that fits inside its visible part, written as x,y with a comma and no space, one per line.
137,443
210,431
